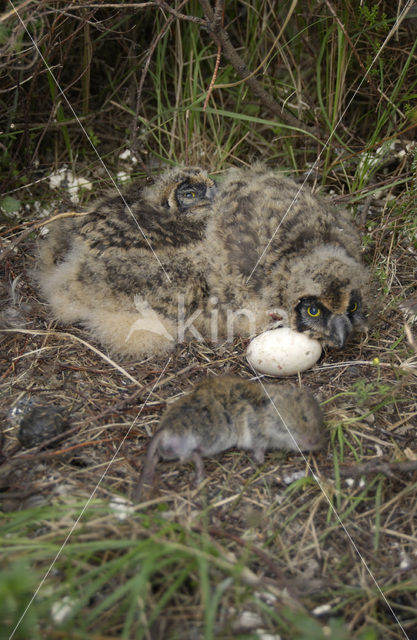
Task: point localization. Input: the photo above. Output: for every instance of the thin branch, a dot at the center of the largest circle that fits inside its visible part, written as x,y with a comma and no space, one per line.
263,62
37,225
376,466
71,336
221,37
219,11
181,16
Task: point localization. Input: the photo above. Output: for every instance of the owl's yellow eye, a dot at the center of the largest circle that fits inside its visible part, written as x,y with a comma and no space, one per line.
189,194
353,307
313,311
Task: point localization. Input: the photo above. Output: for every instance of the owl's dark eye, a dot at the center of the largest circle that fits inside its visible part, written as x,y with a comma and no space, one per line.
190,194
353,307
313,311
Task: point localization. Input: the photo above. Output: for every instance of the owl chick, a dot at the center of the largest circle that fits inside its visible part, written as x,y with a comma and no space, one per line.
119,269
275,249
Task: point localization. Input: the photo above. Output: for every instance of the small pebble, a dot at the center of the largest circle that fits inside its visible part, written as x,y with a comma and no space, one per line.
41,424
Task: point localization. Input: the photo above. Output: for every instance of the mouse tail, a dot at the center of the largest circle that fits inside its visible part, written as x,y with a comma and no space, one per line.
199,467
148,469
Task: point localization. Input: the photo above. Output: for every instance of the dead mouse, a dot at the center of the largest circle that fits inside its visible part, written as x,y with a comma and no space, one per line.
225,412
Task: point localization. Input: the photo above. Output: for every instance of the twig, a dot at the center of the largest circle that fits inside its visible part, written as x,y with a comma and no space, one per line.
263,62
16,495
37,225
65,334
221,37
370,468
10,463
177,14
214,76
13,11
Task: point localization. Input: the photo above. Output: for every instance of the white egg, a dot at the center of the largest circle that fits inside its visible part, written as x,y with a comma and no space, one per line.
282,352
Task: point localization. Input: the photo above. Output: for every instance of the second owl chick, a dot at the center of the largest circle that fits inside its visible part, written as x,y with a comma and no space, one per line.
225,412
120,269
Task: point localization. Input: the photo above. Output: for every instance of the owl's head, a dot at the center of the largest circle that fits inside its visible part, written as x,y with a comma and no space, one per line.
316,316
184,190
329,292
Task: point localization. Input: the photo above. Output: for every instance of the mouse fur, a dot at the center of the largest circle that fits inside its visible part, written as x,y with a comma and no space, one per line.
228,411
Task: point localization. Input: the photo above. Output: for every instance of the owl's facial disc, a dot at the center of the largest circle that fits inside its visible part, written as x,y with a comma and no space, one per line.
314,318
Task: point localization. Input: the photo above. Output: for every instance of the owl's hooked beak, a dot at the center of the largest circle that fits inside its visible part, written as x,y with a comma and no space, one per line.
340,328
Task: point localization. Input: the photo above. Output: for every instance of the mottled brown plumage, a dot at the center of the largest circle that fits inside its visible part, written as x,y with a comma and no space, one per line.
276,247
211,266
119,269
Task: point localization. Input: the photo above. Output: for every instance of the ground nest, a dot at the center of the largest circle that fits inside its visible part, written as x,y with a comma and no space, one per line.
331,534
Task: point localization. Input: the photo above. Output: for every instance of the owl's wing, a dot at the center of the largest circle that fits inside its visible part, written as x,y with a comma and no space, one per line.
126,225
